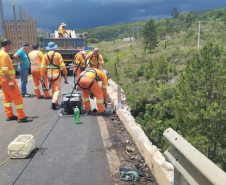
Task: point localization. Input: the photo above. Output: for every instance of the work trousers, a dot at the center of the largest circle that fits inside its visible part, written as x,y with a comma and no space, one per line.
12,95
95,89
55,88
24,79
37,80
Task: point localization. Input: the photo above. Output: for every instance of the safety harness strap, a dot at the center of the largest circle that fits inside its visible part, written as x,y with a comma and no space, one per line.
96,78
51,66
91,59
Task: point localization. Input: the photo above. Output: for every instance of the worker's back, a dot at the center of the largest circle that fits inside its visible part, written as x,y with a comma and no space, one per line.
57,61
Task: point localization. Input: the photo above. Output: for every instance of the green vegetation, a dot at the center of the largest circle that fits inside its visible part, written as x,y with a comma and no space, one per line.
176,24
176,85
150,36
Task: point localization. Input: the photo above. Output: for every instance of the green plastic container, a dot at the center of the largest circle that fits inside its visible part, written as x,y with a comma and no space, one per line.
77,115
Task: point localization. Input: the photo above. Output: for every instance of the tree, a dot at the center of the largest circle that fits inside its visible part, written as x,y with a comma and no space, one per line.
149,33
188,20
116,73
199,106
174,13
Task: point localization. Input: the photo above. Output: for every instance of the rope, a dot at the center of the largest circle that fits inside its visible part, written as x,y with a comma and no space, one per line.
37,149
32,138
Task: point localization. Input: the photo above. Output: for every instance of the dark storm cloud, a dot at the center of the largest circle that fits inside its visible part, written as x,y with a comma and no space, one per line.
80,14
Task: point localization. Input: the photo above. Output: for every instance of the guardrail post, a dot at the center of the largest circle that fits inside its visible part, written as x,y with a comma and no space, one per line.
119,98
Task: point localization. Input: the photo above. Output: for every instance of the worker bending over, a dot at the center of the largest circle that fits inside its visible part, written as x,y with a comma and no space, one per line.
10,89
53,61
62,30
95,60
79,64
88,82
35,57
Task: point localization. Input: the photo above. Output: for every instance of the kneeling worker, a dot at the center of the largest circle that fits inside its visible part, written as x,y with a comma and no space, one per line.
79,64
88,82
54,61
11,91
35,57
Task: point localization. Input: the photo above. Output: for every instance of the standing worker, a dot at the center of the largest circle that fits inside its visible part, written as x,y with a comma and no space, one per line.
95,60
62,30
79,64
11,91
35,57
23,67
54,61
88,83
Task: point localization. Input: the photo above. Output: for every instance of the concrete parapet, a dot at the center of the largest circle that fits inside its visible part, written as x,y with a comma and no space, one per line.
162,170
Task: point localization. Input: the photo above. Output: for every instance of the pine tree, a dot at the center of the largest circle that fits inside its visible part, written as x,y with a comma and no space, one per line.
149,34
199,107
174,13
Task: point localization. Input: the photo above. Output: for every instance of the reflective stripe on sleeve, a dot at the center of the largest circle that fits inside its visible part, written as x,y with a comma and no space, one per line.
43,66
61,65
37,87
5,68
12,72
103,86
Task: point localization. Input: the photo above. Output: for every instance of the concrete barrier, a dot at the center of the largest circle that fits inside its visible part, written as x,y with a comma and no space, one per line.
162,171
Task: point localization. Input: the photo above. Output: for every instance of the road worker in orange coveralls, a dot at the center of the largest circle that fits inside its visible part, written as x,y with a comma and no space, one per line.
79,64
53,61
35,57
88,82
95,60
10,89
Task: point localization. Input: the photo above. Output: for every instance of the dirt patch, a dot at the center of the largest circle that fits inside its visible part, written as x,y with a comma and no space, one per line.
127,152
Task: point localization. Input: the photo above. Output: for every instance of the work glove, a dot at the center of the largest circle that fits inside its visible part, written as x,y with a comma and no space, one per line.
91,95
105,103
83,69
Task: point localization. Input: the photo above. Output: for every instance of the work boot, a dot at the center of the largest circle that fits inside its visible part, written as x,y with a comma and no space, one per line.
26,119
48,97
40,97
88,112
54,105
103,113
12,118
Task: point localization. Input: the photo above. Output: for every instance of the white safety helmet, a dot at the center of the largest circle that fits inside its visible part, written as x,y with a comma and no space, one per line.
83,52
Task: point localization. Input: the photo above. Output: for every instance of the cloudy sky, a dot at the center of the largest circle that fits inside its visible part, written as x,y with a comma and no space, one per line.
81,14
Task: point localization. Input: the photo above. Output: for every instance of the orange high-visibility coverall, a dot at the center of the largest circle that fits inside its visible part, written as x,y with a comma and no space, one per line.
56,82
36,59
99,93
93,63
10,95
79,64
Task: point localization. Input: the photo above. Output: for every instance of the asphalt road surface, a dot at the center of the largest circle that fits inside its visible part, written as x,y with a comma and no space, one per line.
70,154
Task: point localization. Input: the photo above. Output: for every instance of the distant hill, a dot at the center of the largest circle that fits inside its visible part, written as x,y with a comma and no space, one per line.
112,32
119,31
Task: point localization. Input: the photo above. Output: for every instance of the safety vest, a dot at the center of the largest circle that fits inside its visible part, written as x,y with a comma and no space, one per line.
35,60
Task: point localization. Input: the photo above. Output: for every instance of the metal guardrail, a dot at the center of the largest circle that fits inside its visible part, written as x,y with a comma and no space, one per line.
190,165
